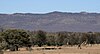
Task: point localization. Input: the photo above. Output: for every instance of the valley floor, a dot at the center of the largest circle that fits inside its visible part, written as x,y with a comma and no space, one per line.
95,49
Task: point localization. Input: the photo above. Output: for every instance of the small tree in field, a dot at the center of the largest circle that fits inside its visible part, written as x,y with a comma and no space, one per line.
51,40
15,38
40,38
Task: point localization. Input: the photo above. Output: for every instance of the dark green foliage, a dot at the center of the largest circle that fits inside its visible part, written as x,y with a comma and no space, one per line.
60,38
14,38
40,38
51,40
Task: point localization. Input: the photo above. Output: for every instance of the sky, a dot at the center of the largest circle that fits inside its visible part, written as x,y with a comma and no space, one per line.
45,6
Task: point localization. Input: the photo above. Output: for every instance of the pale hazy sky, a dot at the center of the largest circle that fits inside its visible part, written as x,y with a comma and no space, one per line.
43,6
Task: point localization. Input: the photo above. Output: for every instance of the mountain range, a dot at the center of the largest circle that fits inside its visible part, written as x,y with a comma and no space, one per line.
53,21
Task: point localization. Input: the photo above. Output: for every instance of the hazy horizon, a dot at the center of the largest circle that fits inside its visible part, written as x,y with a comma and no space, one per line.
45,6
48,12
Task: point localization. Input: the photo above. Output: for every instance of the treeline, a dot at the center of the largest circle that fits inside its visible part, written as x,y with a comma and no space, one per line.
13,39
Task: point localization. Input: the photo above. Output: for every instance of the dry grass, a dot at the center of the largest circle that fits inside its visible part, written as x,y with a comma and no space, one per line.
95,49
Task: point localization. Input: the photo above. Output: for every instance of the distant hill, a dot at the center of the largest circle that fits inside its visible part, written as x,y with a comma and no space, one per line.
53,21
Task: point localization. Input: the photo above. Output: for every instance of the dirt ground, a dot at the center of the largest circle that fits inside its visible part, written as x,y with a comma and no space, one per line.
95,49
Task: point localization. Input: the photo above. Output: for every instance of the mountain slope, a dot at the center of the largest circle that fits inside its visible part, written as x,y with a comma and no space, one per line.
53,21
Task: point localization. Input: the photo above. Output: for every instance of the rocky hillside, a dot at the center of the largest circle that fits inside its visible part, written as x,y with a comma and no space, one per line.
53,21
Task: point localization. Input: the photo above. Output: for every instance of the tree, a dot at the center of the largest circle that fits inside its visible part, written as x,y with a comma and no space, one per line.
51,40
15,38
40,38
60,38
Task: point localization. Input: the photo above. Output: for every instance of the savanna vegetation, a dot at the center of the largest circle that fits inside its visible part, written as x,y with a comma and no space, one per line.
13,39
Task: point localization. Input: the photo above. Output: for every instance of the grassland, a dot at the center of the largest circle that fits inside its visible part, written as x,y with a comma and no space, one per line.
95,49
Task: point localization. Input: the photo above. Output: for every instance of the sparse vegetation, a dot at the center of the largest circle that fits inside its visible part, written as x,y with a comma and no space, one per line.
16,38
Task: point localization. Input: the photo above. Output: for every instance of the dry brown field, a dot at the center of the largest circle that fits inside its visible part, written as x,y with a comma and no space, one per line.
95,49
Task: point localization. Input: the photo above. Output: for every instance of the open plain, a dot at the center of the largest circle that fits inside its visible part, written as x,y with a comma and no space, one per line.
95,49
